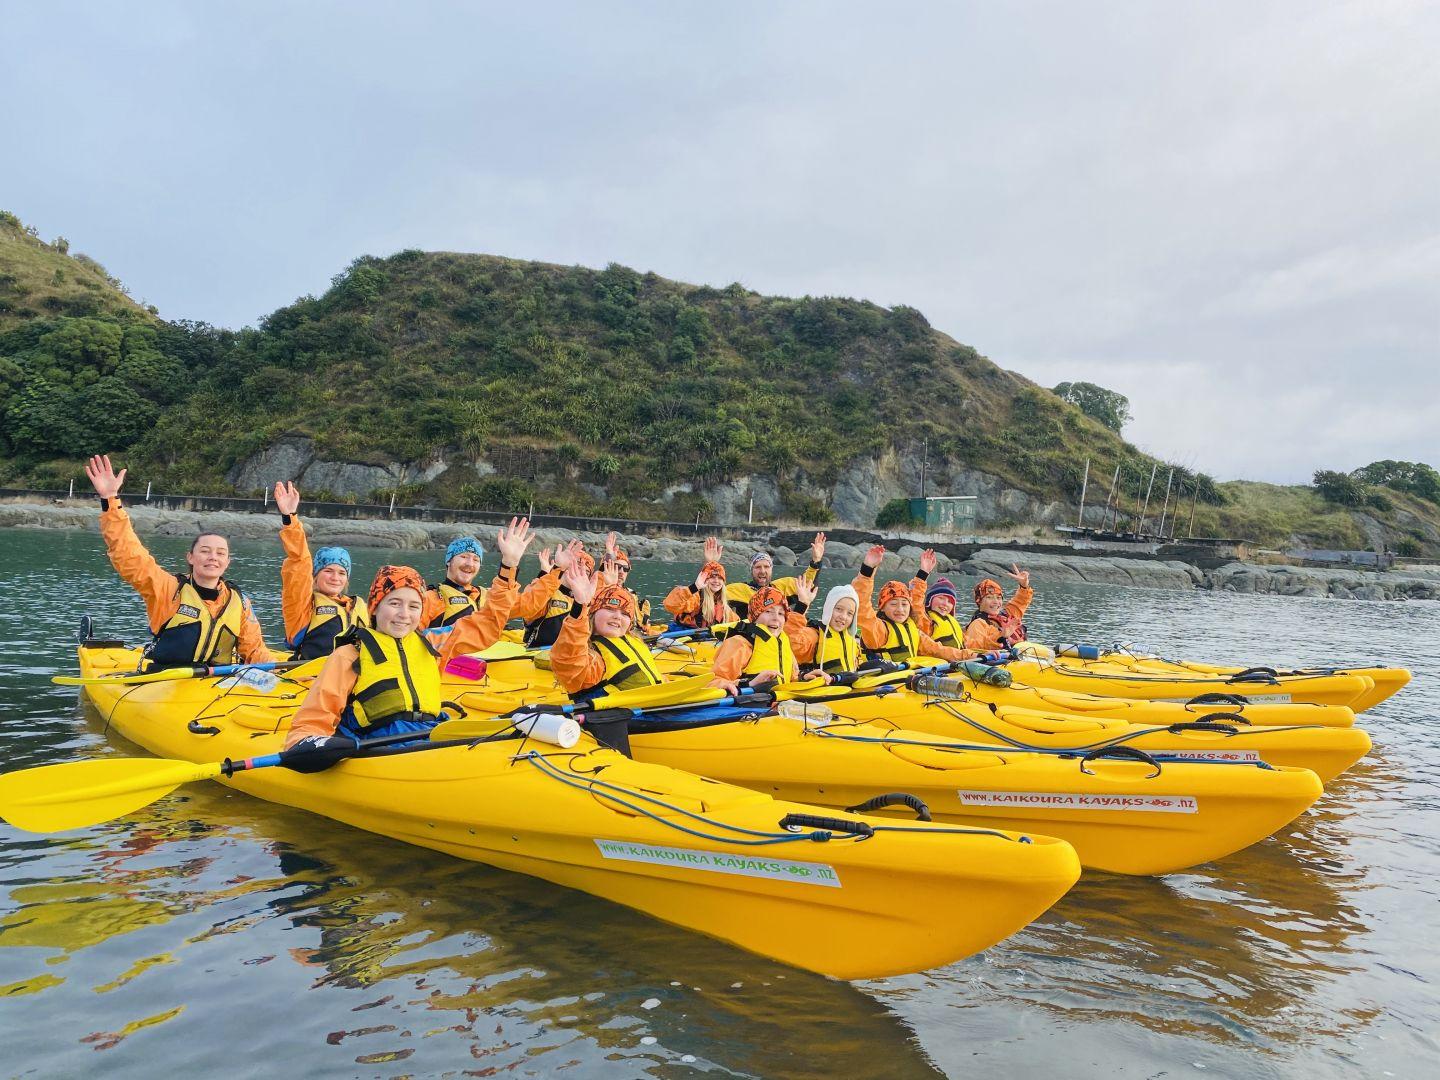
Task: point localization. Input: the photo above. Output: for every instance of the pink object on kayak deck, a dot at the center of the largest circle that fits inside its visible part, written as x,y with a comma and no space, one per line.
466,667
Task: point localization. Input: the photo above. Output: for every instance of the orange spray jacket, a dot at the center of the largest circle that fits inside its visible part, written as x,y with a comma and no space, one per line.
329,695
984,636
160,588
875,631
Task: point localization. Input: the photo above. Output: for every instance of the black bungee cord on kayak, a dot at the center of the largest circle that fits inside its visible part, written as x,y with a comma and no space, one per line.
820,835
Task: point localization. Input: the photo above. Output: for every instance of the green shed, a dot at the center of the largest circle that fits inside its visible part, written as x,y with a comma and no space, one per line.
945,513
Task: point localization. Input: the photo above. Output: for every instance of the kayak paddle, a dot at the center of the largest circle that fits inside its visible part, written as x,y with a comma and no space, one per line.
74,794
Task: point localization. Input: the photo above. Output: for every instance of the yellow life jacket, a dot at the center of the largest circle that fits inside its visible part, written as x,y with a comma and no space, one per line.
836,651
330,618
458,602
902,641
192,635
769,652
946,630
543,631
399,678
628,665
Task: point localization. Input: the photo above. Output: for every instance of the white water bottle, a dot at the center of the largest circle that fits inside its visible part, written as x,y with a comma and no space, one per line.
550,728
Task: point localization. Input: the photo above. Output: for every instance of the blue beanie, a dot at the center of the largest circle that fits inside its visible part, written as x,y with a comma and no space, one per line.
941,587
462,544
328,556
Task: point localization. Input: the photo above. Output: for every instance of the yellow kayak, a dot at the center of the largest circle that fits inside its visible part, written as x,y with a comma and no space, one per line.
1118,817
1021,695
1387,681
1217,735
708,856
1111,679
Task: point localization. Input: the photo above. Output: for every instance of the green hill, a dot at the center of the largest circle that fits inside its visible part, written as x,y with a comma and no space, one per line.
491,383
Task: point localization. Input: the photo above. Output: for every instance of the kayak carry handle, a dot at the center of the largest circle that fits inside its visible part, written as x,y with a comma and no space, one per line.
1127,753
1223,718
1256,674
197,728
1218,699
826,825
894,798
1203,726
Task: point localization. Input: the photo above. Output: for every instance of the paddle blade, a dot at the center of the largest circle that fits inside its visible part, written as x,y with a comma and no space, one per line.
54,798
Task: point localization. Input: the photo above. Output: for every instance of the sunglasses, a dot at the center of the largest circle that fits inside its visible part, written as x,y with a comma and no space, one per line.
624,568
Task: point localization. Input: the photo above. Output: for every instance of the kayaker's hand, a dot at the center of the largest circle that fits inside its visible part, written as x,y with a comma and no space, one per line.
546,562
316,753
608,573
927,561
580,584
512,541
764,677
875,556
102,476
815,673
612,544
1022,576
730,686
713,549
817,547
565,554
287,498
806,590
700,581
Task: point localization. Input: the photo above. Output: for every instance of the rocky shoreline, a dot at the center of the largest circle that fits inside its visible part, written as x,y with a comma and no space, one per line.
988,562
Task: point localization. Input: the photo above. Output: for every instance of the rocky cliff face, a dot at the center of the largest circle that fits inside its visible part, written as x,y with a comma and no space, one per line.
854,497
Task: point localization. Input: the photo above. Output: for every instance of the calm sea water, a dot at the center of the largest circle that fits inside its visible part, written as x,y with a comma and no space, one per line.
214,933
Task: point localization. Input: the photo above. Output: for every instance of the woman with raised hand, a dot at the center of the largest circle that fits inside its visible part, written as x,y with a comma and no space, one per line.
385,679
458,595
197,617
701,604
998,623
891,633
313,600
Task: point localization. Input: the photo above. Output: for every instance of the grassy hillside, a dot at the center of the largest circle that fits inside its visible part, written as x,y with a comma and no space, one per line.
620,379
586,390
44,281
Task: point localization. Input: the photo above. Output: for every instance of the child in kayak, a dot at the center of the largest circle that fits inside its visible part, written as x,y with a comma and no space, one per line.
934,605
385,680
197,617
312,589
892,633
829,644
597,651
759,649
458,595
762,569
997,623
702,604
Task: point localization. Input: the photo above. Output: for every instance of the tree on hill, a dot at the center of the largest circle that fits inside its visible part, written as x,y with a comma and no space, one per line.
1108,407
1412,477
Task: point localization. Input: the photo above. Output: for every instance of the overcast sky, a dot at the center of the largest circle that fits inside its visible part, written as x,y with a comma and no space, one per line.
1229,212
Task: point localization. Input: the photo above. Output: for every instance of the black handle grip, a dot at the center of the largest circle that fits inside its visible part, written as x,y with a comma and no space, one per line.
1127,753
901,798
1223,718
1219,699
197,728
798,822
460,710
1256,674
1204,725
